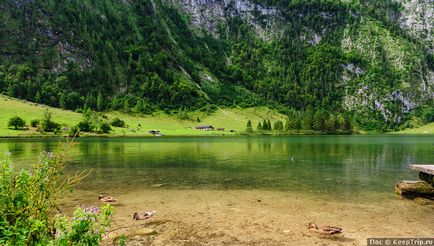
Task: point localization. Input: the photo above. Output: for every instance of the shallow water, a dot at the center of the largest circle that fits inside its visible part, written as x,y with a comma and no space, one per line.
355,174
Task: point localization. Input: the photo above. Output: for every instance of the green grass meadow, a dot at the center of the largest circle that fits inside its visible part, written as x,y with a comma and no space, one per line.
426,129
137,125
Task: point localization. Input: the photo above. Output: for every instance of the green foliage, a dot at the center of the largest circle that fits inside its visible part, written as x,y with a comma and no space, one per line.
87,226
116,122
74,131
87,124
48,125
278,126
249,128
144,55
183,114
16,122
104,127
319,119
259,127
24,217
34,123
100,102
332,124
28,200
427,114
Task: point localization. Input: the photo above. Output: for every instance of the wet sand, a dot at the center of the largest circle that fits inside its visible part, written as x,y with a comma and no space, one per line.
256,217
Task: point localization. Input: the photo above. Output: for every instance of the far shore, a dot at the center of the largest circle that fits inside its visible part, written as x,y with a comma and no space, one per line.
222,135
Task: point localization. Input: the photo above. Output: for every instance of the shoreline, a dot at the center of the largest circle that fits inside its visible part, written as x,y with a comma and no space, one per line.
230,135
253,217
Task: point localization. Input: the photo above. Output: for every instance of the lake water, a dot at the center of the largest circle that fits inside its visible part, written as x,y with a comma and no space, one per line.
340,170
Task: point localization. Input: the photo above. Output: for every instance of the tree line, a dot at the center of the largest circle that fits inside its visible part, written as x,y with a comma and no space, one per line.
304,122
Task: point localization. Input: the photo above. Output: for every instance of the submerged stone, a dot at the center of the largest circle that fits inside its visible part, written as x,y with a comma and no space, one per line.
145,232
415,189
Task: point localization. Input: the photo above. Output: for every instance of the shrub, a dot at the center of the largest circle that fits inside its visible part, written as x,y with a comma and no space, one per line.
74,131
104,127
86,227
116,122
48,125
28,200
86,124
34,123
16,122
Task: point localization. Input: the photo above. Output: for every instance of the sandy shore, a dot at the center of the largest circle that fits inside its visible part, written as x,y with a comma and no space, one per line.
256,217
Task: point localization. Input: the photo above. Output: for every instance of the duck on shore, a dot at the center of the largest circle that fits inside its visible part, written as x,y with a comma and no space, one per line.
104,198
325,230
144,215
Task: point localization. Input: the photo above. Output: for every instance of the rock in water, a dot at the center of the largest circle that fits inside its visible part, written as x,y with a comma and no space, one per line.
415,189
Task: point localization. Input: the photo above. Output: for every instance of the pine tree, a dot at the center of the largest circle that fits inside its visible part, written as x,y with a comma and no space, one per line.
307,122
126,107
319,121
332,124
249,127
297,123
38,97
62,100
140,107
346,125
100,102
259,127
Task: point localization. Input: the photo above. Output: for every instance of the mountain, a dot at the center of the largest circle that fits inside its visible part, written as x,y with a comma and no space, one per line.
369,59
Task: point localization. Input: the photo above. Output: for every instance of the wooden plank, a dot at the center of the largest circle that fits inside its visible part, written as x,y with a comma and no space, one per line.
429,169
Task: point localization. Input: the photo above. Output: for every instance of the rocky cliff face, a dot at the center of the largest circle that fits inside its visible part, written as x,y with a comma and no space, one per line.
212,14
367,38
417,16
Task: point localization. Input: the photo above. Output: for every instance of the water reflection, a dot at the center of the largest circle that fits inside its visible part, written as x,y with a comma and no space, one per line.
324,165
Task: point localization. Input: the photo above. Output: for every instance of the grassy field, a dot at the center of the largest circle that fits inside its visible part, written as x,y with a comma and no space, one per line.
137,125
426,129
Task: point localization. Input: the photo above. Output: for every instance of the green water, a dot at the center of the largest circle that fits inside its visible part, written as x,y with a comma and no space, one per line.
326,166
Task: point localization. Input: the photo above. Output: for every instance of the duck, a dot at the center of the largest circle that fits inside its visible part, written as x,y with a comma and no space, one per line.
144,215
104,198
325,230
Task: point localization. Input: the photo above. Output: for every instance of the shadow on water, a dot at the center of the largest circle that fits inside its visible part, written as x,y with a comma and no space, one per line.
335,166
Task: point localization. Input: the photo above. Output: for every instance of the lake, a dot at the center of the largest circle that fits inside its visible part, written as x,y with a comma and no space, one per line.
329,179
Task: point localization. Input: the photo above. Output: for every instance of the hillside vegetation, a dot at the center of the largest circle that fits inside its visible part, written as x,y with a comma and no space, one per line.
136,125
358,60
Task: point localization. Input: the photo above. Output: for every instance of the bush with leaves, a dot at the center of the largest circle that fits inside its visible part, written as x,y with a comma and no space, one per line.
29,198
16,122
74,131
104,127
86,227
87,123
116,122
48,125
34,123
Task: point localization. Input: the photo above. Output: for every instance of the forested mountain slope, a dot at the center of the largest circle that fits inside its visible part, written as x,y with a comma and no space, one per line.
371,60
